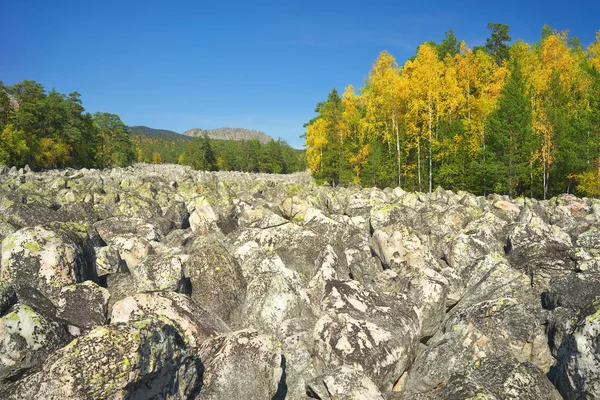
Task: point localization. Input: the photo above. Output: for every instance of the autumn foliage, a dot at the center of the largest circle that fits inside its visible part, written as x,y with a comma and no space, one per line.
51,130
520,120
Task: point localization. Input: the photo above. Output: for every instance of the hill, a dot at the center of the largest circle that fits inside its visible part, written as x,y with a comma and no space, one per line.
231,152
162,133
230,134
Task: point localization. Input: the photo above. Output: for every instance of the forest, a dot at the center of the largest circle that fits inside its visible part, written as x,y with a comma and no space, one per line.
275,156
520,119
52,130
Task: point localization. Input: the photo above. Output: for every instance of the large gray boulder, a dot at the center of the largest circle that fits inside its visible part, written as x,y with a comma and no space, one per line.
253,359
274,294
132,250
26,339
576,374
377,333
45,259
196,323
146,359
417,272
110,228
158,274
83,305
464,355
108,261
344,383
203,218
539,249
215,277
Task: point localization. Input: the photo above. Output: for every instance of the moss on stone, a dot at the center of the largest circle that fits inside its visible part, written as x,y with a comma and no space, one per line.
8,244
32,247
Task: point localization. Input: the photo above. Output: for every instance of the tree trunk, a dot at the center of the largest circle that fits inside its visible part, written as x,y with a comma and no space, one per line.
398,150
430,160
419,162
484,161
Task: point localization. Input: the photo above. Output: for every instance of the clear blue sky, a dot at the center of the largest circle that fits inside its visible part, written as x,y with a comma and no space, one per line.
260,65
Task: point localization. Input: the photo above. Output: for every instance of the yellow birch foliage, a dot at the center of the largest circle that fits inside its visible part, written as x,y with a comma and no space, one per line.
588,183
594,52
385,102
453,94
13,145
482,79
352,130
53,153
350,115
316,139
382,94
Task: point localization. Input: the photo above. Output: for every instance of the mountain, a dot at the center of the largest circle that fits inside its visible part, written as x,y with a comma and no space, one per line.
230,134
158,133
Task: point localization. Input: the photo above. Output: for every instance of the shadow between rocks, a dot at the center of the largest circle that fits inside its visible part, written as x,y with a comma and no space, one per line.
282,387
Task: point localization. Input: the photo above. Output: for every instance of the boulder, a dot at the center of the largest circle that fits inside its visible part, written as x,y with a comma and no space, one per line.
377,333
465,356
195,322
26,339
135,206
416,272
253,359
576,373
295,341
125,227
203,217
46,259
176,213
273,295
83,305
539,249
344,383
293,208
108,261
145,359
132,250
215,278
260,217
298,247
159,274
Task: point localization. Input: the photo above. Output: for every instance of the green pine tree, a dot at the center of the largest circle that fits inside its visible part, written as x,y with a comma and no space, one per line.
510,140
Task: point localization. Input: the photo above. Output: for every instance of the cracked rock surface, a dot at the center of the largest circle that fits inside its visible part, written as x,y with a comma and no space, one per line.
160,282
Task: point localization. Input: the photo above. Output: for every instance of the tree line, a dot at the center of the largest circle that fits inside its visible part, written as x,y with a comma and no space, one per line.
49,130
520,119
275,156
52,130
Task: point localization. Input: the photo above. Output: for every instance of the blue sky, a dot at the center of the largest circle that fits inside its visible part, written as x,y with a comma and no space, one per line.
260,65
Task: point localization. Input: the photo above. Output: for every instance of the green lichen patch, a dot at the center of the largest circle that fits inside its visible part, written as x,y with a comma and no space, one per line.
32,247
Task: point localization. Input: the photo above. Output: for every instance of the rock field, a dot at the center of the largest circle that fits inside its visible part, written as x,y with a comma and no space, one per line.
160,282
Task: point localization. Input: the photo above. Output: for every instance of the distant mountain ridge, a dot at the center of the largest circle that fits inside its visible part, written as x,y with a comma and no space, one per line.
162,133
230,134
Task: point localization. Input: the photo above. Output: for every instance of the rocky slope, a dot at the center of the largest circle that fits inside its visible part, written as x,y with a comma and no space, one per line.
164,283
230,134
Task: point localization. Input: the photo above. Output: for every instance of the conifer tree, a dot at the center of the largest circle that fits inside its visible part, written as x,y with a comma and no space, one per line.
511,142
